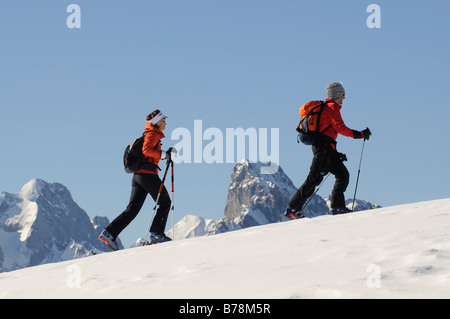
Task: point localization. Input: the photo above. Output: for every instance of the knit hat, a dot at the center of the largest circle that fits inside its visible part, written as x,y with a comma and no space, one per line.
335,90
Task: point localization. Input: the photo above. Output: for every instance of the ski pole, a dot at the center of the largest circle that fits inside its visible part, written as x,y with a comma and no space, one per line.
173,205
359,171
156,202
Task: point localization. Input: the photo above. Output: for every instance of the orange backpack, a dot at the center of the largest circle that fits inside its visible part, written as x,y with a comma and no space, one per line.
308,128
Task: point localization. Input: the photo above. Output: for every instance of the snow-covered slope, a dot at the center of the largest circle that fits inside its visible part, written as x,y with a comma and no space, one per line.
401,251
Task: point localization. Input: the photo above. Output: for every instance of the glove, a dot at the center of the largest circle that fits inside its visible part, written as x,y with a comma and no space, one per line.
342,157
171,153
365,134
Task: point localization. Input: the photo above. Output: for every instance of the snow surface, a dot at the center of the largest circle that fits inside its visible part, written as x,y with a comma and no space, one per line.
392,252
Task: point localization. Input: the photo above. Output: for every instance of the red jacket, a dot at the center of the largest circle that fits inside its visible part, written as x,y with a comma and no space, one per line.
331,114
152,146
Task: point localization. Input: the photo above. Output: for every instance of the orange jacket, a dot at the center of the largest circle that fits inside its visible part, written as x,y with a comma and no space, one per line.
152,147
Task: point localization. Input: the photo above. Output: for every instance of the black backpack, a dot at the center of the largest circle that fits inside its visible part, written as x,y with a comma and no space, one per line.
134,159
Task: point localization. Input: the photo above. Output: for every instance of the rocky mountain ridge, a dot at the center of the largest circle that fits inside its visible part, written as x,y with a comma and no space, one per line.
43,224
257,199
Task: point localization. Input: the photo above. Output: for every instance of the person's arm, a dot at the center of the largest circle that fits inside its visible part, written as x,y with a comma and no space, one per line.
150,149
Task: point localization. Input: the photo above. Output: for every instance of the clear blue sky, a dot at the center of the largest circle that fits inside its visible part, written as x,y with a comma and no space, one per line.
72,99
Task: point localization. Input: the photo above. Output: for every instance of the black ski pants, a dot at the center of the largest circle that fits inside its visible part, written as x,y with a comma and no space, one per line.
326,160
143,184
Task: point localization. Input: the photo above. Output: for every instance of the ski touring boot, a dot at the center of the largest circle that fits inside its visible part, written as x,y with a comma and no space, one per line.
290,213
156,238
109,240
340,211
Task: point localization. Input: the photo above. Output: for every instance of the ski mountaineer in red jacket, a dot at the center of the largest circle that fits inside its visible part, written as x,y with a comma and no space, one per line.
326,158
146,181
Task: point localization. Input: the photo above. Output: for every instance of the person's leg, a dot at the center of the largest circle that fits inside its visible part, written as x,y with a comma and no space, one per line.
137,199
339,170
319,168
151,183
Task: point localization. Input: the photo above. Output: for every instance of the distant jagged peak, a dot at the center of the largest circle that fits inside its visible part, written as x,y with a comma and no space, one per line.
259,168
42,223
245,172
39,187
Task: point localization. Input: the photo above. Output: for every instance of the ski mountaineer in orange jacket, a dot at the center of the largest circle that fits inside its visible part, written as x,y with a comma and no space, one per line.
146,181
326,158
152,147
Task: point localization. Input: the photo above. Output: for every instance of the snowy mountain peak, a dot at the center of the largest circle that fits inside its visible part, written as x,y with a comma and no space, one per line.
37,187
255,198
191,226
263,196
42,224
31,190
251,172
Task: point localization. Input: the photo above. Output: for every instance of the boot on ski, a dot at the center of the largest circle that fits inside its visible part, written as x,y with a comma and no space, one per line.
158,238
340,211
290,213
109,240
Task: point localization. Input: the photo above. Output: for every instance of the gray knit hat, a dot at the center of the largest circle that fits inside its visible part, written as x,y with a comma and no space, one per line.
335,90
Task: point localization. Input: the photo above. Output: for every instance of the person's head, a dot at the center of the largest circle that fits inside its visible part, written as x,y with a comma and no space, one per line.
336,92
157,119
